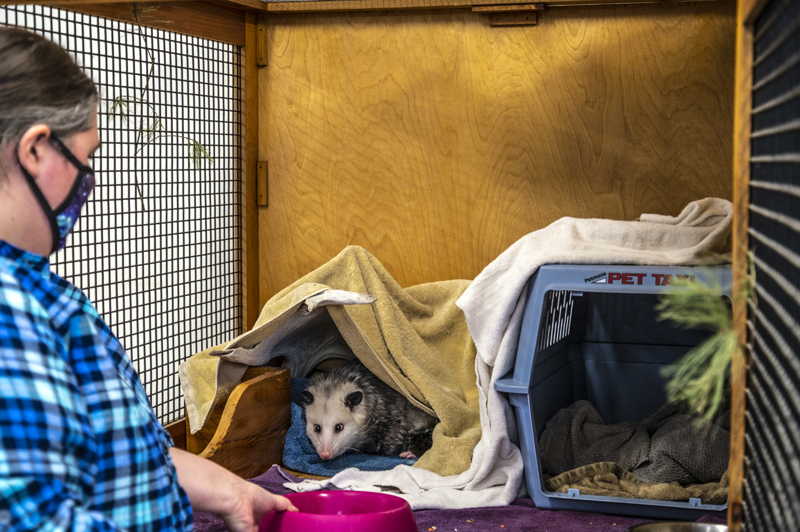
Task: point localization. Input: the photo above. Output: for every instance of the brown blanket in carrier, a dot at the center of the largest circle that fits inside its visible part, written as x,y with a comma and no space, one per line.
608,479
663,455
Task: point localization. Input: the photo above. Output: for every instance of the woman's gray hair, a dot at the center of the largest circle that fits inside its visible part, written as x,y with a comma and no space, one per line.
41,84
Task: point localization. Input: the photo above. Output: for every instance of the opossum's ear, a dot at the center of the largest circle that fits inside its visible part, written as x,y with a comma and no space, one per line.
306,397
353,400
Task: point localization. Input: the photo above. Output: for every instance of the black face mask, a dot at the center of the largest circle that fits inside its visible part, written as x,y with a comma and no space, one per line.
63,218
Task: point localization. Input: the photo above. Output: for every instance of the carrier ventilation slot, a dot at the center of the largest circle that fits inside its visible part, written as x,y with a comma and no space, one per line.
557,319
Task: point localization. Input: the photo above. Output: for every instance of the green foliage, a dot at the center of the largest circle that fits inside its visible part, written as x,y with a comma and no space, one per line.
198,152
153,130
701,378
151,127
119,107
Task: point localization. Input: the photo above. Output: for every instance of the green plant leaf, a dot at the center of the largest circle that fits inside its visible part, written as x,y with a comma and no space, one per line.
696,306
198,153
153,129
701,378
119,107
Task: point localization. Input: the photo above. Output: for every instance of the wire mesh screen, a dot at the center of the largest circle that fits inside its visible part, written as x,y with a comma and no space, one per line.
772,434
158,248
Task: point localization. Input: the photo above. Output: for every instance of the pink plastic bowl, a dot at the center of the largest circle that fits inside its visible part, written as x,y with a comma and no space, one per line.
342,511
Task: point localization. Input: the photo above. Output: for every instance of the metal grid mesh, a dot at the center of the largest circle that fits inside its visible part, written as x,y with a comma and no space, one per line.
772,434
158,248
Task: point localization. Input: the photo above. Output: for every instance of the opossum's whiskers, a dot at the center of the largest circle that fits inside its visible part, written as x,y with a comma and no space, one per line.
359,451
367,428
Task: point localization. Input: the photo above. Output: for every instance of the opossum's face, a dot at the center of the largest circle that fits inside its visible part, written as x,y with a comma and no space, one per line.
335,421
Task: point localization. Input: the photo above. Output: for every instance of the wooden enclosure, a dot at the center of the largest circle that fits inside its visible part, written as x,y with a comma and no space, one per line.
435,141
418,131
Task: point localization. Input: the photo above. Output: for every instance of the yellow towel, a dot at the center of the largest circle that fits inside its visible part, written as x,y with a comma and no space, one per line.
415,339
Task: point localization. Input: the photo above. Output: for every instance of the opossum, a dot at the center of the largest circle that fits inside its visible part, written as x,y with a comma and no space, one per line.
349,408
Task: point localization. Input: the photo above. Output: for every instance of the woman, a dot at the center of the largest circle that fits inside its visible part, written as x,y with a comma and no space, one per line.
80,446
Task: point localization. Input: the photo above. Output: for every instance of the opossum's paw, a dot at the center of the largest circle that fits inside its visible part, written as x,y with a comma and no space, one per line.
408,455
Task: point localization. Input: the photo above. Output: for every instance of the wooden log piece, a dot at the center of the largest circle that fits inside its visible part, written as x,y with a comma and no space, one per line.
250,429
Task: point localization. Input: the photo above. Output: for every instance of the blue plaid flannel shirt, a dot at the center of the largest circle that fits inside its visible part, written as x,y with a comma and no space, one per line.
80,446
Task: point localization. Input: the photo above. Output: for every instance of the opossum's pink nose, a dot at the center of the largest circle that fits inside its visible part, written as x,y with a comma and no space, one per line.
325,454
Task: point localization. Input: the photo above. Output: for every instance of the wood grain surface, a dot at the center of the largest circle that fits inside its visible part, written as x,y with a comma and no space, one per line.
373,5
746,13
199,19
246,434
257,6
251,277
435,141
741,200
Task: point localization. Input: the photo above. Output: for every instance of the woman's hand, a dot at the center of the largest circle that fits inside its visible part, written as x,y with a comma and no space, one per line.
251,507
212,488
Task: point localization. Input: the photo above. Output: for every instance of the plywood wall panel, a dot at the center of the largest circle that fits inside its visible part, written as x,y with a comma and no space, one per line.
436,141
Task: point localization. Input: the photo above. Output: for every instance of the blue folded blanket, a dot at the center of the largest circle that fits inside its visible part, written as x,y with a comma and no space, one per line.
300,455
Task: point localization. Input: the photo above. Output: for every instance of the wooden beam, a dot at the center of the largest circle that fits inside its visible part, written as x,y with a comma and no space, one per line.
241,5
509,7
376,5
251,305
253,6
747,10
393,5
66,4
199,19
351,5
262,49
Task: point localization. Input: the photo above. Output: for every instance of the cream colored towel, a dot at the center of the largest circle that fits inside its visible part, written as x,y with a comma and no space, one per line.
493,305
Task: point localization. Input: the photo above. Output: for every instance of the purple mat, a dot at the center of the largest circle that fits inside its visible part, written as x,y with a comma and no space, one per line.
521,516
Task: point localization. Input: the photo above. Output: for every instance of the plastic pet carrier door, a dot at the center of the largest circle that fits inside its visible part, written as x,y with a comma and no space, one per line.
592,333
